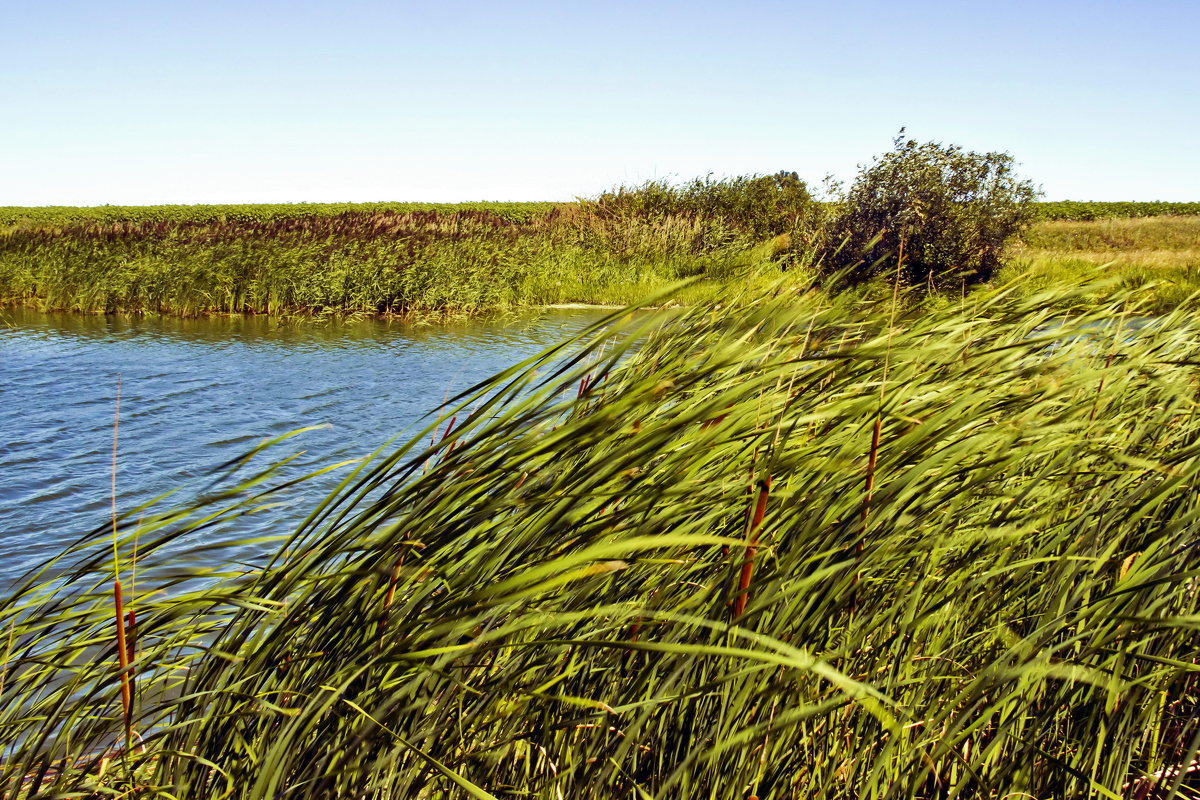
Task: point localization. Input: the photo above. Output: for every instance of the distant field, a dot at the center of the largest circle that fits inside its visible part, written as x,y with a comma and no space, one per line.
53,216
50,216
1082,211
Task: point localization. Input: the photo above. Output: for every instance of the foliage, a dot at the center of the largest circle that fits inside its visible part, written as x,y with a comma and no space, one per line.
784,549
929,212
753,206
412,263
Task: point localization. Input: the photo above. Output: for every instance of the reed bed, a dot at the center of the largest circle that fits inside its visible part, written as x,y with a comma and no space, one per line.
52,217
415,260
417,263
777,549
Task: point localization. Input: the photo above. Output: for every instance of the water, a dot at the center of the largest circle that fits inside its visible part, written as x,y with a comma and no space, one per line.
197,393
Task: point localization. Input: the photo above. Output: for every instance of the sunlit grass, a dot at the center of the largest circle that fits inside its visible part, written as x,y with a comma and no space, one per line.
1158,257
556,600
415,264
1148,234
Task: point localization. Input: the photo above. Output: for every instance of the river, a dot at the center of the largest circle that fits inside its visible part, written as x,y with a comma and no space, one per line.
197,393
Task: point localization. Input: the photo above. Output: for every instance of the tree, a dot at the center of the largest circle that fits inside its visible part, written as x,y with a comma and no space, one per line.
931,212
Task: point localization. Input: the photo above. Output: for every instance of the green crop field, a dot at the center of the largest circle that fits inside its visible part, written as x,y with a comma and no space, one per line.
1160,256
1083,211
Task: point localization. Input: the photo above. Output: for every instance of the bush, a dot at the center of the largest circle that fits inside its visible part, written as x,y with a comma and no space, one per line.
930,212
756,206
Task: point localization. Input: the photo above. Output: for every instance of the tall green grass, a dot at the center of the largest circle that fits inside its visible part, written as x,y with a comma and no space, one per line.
413,263
778,549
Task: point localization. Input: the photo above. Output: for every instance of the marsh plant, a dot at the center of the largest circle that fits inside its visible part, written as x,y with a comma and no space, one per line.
413,263
781,549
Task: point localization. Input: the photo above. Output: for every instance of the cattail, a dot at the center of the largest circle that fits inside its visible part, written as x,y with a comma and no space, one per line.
123,663
760,510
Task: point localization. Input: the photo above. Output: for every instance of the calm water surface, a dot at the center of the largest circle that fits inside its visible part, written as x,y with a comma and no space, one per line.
197,393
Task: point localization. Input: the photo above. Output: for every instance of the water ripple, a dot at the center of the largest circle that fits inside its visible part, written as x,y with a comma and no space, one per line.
197,393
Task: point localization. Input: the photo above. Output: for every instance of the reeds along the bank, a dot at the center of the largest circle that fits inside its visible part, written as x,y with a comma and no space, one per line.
545,610
419,262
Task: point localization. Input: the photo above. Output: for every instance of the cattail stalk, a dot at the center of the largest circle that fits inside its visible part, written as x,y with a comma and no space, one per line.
123,646
752,539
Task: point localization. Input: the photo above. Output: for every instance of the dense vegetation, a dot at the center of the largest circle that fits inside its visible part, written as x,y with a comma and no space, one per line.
756,206
58,216
614,249
930,213
784,549
392,263
936,215
798,544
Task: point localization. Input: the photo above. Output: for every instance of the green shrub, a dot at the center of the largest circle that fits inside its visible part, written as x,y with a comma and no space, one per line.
756,206
928,212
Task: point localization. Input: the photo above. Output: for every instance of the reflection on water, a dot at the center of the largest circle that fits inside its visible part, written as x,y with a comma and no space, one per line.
196,393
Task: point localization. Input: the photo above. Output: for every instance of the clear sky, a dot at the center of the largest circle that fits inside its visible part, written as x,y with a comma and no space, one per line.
272,101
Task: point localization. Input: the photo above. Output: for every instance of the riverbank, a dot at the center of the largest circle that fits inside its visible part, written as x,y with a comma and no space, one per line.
426,261
410,264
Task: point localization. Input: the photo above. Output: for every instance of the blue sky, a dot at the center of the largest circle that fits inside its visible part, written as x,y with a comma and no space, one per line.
188,102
